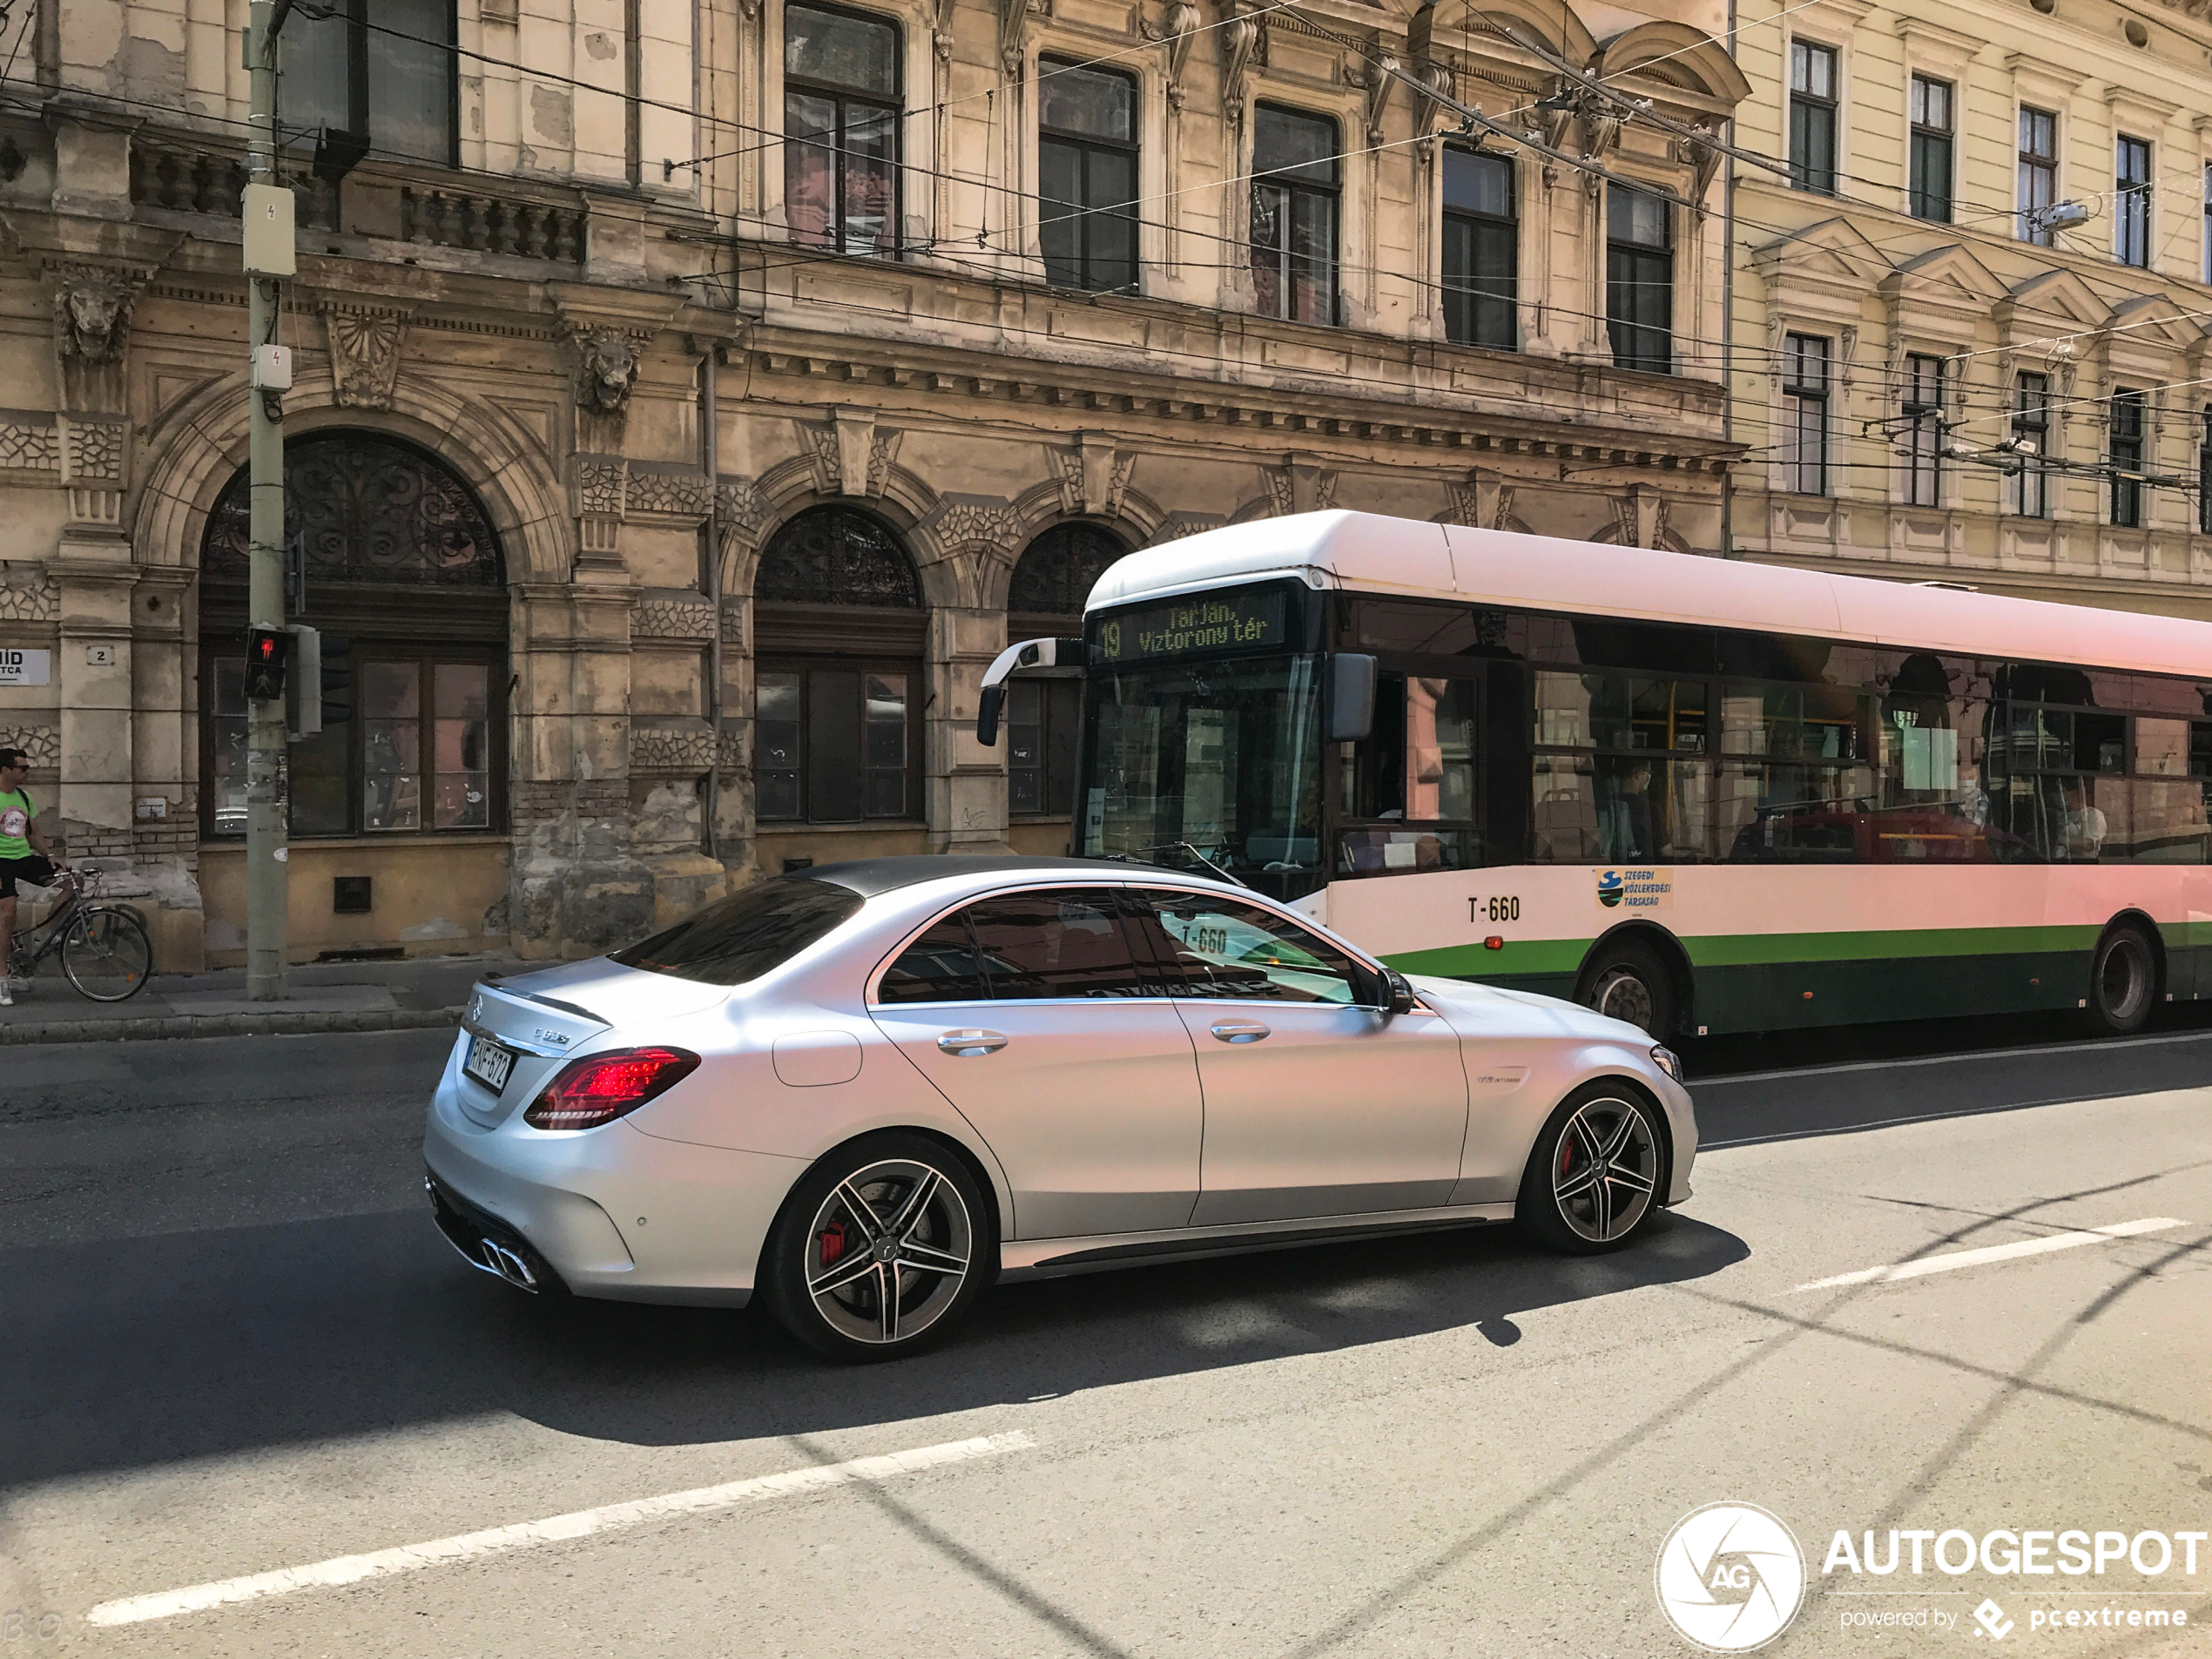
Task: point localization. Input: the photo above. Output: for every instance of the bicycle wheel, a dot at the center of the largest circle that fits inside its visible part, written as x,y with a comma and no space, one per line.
106,954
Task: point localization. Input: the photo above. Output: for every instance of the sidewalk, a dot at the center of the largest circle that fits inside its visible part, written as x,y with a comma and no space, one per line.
326,996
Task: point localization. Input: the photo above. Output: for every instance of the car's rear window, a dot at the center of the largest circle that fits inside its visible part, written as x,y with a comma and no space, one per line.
754,929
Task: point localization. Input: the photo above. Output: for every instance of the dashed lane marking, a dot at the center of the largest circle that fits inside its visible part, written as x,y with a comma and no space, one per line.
1957,1258
583,1523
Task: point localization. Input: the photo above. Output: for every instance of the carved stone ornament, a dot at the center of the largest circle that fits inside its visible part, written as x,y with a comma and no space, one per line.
92,335
992,524
1301,487
606,369
364,356
677,495
1094,476
1178,26
741,507
602,486
1013,26
29,597
1244,47
851,457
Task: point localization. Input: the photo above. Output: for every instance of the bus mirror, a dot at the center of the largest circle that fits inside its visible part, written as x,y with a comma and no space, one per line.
987,715
1351,696
1030,653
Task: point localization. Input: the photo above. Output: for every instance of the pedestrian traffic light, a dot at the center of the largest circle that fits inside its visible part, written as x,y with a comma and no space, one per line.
267,650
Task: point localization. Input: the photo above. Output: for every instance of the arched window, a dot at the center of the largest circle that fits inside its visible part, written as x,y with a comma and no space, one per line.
1052,579
839,629
391,557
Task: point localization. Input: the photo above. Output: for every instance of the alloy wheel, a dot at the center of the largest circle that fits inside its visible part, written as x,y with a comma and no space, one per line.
1606,1171
888,1251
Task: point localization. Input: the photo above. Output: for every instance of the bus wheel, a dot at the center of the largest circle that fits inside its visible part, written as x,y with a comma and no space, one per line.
2123,981
1627,980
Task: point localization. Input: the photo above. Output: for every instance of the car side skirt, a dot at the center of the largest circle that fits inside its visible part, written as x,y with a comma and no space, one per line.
1051,1257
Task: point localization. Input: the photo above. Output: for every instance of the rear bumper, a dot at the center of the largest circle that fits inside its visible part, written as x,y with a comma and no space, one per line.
607,1212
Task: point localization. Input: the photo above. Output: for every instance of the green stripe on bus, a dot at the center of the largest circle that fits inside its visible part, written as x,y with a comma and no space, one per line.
1519,957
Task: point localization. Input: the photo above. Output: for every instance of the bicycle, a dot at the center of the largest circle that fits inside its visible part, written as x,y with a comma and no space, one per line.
103,948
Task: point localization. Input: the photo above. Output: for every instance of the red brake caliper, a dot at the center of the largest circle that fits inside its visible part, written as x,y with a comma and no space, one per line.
832,1242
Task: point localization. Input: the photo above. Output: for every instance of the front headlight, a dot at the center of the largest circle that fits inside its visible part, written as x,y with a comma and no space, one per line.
1667,1061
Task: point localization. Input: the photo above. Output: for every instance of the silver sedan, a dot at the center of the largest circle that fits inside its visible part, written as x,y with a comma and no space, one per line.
863,1092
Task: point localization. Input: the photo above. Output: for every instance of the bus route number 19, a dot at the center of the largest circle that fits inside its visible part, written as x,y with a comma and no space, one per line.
1503,909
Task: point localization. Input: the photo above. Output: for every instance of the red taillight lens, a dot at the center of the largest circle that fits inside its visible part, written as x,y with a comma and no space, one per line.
599,1087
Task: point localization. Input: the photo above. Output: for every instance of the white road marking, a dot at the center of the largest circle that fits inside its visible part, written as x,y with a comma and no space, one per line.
583,1523
1993,1254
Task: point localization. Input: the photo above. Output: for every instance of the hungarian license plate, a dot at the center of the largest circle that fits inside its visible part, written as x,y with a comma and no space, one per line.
489,1063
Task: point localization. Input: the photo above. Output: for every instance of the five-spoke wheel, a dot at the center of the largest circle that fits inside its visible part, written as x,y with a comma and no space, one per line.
1594,1178
880,1249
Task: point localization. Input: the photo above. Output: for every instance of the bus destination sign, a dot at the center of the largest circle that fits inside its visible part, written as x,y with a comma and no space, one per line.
1231,621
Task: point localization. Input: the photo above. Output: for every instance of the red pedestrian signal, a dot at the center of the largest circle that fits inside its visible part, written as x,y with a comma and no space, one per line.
267,650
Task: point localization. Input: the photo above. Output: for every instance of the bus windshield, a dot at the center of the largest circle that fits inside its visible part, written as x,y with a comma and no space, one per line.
1203,762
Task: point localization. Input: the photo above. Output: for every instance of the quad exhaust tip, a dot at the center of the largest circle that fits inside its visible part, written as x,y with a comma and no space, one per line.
496,1257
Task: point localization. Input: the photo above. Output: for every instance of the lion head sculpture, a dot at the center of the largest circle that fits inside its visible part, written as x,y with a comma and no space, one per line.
92,315
606,369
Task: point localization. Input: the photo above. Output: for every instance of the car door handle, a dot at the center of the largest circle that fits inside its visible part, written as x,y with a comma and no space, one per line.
1240,1030
963,1045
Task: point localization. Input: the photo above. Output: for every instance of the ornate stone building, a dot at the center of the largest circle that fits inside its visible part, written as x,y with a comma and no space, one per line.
691,399
1969,327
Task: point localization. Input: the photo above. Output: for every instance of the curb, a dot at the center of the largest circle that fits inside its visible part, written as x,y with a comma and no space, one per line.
161,1026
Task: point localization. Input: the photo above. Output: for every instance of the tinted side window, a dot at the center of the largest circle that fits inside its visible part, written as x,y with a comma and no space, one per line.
942,966
754,929
1217,948
1058,942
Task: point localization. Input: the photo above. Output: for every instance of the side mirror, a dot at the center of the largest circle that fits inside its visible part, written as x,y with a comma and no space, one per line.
1030,653
1401,993
1351,696
987,708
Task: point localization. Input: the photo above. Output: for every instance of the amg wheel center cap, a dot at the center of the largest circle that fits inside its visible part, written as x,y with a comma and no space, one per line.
886,1249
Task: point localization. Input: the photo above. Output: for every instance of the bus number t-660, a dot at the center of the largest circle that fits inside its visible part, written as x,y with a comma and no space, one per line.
1499,910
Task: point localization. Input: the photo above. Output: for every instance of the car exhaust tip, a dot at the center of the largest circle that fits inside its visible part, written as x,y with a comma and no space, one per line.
495,1257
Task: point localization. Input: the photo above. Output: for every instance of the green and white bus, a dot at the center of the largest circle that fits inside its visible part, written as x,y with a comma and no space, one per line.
1704,795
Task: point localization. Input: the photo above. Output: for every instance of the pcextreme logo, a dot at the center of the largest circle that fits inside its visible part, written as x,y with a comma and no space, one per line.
1730,1577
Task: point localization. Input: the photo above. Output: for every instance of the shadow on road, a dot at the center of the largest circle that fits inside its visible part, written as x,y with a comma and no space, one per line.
147,1351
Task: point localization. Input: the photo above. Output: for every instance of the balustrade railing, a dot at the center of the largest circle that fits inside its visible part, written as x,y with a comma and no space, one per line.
205,181
484,223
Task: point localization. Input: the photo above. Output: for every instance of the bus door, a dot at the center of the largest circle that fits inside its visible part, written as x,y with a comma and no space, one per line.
1409,797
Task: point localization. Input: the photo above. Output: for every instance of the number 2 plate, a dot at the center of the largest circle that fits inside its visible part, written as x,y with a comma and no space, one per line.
489,1063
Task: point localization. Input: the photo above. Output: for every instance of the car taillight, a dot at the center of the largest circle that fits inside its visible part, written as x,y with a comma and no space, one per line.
599,1087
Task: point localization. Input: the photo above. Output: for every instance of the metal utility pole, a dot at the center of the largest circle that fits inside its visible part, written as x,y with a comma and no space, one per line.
270,256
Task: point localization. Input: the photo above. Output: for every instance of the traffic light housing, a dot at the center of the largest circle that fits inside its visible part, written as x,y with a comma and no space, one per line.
267,652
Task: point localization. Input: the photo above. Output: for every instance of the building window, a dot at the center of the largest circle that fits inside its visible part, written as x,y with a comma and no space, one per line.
1923,430
1481,238
392,558
393,87
2131,203
841,117
2032,443
1294,215
1054,577
1932,142
2124,454
1640,277
1805,413
1040,720
1812,117
1087,176
2204,474
2039,174
839,631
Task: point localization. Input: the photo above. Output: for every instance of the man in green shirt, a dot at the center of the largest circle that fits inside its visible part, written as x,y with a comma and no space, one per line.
25,854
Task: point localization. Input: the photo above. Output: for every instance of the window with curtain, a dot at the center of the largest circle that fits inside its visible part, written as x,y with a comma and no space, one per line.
1640,277
1295,192
1812,117
1922,437
839,632
1087,216
2032,443
1930,191
2124,454
2039,174
1805,413
1481,249
2131,202
394,85
841,119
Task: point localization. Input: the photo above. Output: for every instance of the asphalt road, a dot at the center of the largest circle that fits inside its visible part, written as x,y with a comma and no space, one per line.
237,1347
